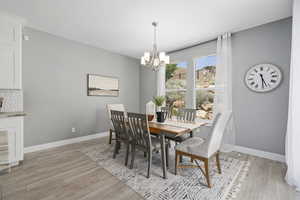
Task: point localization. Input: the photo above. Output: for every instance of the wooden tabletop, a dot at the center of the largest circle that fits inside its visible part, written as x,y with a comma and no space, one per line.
157,128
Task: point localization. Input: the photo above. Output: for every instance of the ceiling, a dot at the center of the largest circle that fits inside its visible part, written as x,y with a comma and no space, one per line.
125,27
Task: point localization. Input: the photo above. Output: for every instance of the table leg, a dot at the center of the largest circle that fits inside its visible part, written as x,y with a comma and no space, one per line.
163,154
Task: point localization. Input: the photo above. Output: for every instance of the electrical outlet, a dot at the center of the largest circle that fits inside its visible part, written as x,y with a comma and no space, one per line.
73,130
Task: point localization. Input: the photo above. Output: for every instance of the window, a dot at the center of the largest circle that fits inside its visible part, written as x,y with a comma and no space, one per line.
176,85
205,69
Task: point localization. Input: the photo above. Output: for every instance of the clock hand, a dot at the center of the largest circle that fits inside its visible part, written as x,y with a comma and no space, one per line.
265,83
262,81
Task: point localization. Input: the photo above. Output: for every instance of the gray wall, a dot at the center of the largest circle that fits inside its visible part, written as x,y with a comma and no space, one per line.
55,87
147,87
261,119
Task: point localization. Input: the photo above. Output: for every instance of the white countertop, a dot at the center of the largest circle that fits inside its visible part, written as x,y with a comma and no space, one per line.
12,114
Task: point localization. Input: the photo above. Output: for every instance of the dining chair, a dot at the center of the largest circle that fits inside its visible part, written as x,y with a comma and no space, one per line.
142,139
122,133
187,115
167,112
199,149
117,107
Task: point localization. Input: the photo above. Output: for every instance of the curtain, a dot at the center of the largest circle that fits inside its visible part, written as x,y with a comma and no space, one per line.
160,78
223,95
292,147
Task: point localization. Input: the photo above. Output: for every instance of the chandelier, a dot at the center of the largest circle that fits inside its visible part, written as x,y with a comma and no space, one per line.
155,59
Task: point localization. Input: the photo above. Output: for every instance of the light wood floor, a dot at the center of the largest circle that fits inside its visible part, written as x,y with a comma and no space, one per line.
65,173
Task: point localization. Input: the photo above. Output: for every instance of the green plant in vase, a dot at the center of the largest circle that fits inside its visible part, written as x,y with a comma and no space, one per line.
159,101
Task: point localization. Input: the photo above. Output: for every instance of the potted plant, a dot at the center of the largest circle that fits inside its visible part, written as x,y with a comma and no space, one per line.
159,101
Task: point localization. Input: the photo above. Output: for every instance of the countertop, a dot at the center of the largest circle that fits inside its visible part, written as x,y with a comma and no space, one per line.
12,114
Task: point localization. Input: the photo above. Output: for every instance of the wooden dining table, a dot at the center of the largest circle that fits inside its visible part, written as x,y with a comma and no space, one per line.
171,127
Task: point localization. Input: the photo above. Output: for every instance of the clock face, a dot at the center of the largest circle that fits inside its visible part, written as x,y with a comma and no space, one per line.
263,77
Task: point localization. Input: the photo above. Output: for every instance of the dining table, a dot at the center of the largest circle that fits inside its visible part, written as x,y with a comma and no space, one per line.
174,127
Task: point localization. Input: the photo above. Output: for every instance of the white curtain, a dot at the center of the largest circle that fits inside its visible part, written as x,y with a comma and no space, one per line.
223,96
160,78
292,147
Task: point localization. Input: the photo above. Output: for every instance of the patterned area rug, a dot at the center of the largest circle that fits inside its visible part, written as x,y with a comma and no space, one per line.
189,184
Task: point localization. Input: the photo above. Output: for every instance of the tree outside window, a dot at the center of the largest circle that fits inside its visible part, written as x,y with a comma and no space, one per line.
176,85
205,69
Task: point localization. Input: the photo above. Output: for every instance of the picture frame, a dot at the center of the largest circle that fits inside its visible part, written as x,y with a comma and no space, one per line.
100,85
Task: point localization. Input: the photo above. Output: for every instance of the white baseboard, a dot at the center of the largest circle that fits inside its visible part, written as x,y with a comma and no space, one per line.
63,142
262,154
254,152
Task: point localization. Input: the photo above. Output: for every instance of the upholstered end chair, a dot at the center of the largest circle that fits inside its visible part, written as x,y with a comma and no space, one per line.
199,149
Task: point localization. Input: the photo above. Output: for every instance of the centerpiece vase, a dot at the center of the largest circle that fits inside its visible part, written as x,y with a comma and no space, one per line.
160,116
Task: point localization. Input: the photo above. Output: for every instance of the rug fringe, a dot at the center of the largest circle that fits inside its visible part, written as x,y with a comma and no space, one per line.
235,189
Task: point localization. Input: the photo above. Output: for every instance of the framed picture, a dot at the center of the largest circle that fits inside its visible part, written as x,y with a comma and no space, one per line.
99,85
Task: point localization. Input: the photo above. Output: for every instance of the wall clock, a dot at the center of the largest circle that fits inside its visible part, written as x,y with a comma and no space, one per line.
263,77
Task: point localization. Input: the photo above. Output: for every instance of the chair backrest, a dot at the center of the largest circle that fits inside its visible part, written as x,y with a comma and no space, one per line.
119,123
140,129
187,115
219,126
118,107
167,112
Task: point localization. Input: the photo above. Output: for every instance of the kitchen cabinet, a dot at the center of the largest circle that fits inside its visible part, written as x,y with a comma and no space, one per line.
10,53
14,127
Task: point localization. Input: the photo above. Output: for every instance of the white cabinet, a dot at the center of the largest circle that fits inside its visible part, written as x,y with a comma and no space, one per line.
10,53
14,128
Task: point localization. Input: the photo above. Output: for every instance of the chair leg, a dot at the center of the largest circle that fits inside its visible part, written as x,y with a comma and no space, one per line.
116,149
149,163
218,162
207,172
180,158
119,147
145,154
132,156
167,155
191,134
127,153
110,136
176,162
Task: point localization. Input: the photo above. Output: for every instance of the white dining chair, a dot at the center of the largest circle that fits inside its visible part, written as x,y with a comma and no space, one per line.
199,149
116,107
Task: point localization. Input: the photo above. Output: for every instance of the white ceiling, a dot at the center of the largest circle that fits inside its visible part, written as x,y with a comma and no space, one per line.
124,26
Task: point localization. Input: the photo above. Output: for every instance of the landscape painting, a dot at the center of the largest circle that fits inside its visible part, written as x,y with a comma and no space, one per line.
99,85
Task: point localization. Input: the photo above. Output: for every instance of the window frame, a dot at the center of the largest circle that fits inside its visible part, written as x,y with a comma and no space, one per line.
192,63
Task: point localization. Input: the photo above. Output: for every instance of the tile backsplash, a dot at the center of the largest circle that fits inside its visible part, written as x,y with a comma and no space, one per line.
13,100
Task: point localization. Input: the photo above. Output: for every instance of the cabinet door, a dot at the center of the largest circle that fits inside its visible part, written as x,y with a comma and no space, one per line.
10,55
14,128
12,144
7,67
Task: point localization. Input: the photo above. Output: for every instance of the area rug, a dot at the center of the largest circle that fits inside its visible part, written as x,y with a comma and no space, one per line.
189,184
